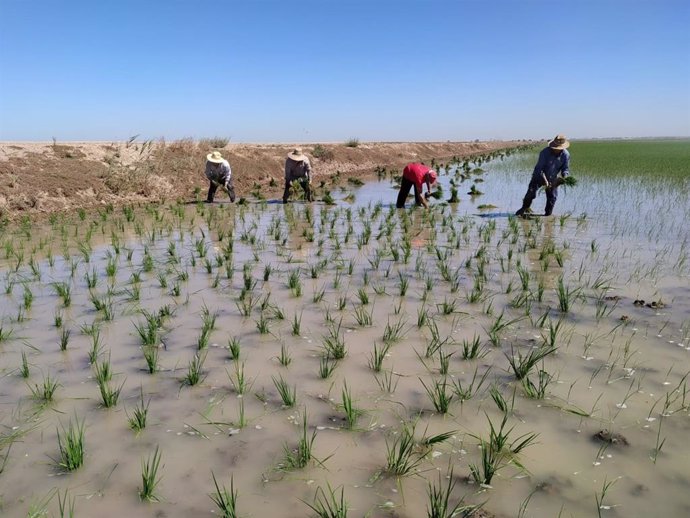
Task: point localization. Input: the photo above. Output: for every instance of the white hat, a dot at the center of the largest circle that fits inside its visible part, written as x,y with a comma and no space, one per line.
297,155
215,157
559,142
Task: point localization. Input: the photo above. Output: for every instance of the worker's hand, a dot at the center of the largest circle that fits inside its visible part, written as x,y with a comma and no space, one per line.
427,195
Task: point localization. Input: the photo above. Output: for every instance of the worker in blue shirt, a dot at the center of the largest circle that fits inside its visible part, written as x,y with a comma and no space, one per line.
553,160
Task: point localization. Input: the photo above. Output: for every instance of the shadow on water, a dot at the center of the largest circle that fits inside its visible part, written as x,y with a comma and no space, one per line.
495,215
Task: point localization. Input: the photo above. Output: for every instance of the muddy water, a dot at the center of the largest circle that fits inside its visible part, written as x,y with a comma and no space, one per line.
619,367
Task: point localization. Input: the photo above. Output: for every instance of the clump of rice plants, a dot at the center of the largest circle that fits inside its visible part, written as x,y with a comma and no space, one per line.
334,343
498,451
226,501
299,457
439,395
326,367
71,445
523,364
288,394
401,458
137,421
195,374
329,505
439,505
149,476
352,413
46,390
24,368
234,348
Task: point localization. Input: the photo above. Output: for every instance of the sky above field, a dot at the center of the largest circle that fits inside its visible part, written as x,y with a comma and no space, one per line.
328,71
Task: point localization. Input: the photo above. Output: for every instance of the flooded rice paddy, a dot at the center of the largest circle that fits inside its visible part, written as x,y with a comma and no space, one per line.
308,353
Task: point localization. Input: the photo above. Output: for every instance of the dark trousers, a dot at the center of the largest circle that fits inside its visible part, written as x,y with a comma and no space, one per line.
551,194
304,182
405,186
213,187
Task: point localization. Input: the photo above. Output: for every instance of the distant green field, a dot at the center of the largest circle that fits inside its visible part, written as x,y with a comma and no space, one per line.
661,158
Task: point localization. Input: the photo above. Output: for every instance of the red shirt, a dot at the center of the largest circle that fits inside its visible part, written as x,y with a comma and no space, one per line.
415,173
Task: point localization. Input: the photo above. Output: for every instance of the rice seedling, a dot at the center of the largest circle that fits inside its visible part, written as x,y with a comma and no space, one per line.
387,380
71,445
5,334
352,413
326,367
499,451
65,504
28,298
103,371
109,395
523,364
137,421
363,317
299,457
472,349
551,339
600,497
149,332
334,344
240,382
377,356
64,291
262,325
226,501
294,280
57,321
498,326
466,392
284,358
440,397
402,456
195,373
24,368
363,296
46,391
393,333
439,505
287,394
566,295
537,391
436,342
500,401
422,316
149,476
151,356
329,505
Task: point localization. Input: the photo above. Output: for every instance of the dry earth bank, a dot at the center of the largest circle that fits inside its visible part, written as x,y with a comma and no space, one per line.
40,178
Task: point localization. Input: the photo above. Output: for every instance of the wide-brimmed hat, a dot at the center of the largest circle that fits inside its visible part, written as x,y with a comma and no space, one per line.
215,157
297,155
432,176
559,142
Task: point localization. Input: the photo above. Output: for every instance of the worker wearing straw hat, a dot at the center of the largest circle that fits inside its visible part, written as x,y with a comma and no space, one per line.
415,174
218,173
553,159
297,167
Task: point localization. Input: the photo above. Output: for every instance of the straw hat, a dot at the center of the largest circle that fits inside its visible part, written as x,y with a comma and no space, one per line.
215,157
432,176
297,155
559,142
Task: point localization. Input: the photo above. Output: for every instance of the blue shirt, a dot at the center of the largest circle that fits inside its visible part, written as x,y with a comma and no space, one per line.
551,164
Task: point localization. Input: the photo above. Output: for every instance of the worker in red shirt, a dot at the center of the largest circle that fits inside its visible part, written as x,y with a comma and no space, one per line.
415,174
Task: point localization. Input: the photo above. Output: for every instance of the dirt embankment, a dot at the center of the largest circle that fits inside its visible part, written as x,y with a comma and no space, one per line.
41,178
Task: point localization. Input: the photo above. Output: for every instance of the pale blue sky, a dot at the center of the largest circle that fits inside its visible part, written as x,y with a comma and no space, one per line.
326,70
